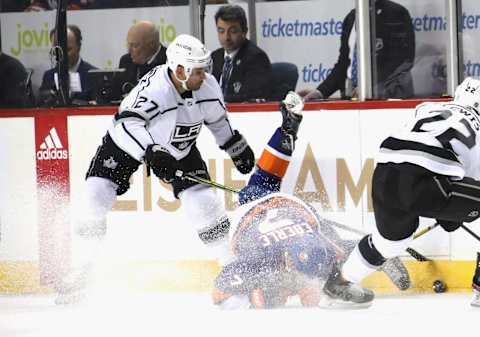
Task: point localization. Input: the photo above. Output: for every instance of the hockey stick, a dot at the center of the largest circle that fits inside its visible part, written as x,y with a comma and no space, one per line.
416,255
196,179
469,231
425,230
180,174
413,253
359,232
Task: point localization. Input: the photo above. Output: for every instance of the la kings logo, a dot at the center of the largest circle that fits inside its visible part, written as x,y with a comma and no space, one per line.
185,135
52,147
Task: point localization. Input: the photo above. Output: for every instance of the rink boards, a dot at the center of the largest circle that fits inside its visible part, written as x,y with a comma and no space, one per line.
150,244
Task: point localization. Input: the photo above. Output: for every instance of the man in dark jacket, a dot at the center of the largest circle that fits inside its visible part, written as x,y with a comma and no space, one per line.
243,70
80,91
144,53
12,86
394,56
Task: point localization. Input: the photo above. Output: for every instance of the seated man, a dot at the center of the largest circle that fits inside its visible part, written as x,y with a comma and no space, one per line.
12,91
243,70
280,244
145,52
81,89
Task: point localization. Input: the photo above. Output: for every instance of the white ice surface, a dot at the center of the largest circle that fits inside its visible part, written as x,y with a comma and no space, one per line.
154,314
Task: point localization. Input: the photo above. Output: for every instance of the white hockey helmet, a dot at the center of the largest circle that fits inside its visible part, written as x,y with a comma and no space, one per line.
190,53
468,93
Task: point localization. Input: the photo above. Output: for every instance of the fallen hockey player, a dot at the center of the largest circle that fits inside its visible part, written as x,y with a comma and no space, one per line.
281,246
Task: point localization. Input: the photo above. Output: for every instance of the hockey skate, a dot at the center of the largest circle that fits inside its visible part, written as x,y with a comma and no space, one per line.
398,274
291,108
72,288
344,294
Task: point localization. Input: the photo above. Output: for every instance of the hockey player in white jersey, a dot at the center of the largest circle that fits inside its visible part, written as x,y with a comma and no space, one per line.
158,124
429,168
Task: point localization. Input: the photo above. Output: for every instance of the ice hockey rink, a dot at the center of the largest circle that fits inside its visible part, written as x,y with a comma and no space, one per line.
117,315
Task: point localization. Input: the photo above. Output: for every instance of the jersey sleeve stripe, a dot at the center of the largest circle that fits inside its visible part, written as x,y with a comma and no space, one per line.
221,119
273,164
394,144
132,137
163,112
128,115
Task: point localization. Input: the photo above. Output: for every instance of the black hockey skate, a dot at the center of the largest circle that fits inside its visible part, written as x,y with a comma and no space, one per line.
345,294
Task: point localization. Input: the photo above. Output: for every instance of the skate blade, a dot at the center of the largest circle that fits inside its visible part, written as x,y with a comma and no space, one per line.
337,304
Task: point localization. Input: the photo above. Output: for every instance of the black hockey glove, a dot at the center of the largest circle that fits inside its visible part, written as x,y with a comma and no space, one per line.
163,164
240,152
449,226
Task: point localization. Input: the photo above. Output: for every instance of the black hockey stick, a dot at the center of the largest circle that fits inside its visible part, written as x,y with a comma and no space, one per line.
413,253
469,231
416,255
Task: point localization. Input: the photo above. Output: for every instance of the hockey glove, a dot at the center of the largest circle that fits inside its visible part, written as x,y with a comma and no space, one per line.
291,108
449,226
240,152
163,164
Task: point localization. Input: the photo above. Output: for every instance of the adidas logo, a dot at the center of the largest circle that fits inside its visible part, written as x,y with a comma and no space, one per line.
52,147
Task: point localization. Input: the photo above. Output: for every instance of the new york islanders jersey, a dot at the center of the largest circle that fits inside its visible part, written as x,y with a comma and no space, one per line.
155,113
268,225
443,138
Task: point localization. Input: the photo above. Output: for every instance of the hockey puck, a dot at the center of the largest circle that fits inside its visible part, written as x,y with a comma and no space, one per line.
439,286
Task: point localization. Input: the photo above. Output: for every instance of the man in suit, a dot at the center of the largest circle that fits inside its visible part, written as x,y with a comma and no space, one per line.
243,70
81,90
144,53
394,56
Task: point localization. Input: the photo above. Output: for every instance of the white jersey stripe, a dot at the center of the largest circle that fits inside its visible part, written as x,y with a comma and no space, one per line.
466,196
466,185
424,159
277,153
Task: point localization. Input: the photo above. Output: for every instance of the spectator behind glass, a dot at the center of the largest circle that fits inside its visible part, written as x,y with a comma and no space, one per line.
13,82
248,76
394,55
99,4
46,5
80,87
144,53
13,5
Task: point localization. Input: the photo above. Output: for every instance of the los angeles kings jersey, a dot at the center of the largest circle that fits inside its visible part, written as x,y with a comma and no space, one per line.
443,138
155,113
